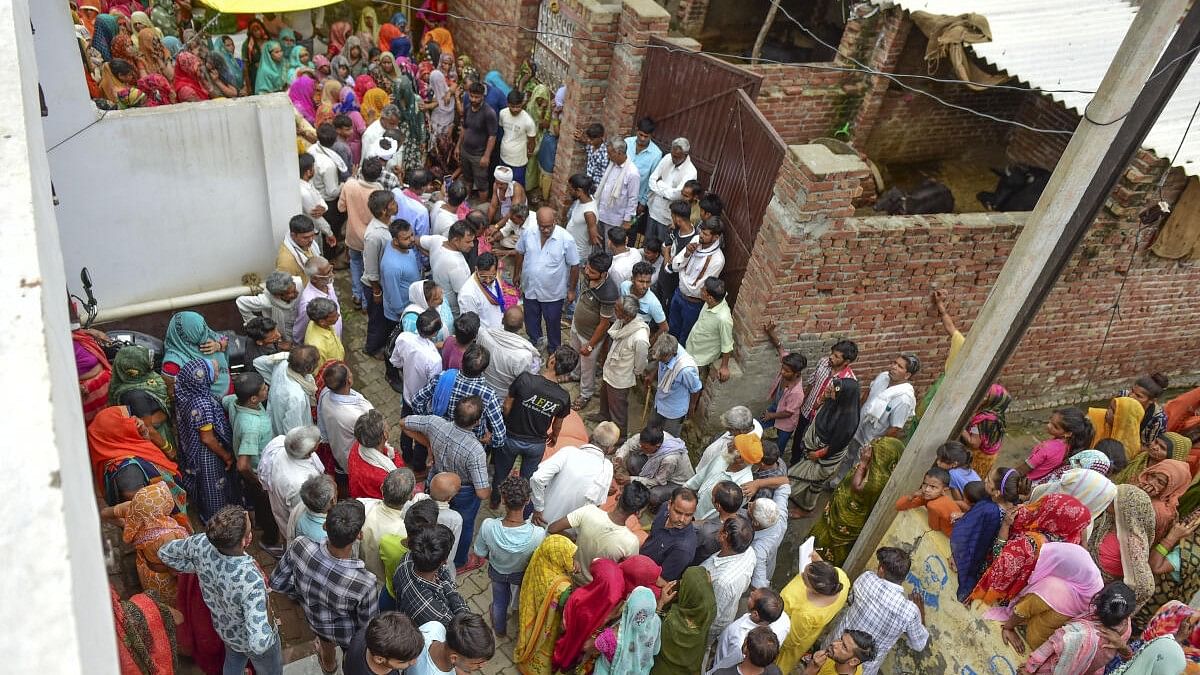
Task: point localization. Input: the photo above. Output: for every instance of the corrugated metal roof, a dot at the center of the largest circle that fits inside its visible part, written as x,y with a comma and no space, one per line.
1069,44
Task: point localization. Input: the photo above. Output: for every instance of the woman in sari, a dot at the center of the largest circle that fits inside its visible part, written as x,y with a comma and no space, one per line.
441,112
272,70
399,43
188,84
148,525
205,439
302,93
188,338
231,71
145,628
252,52
363,84
1024,532
412,120
852,501
122,48
139,20
630,647
331,96
124,460
106,30
173,44
1165,482
1120,421
299,63
1174,618
443,39
388,32
153,58
372,105
1060,590
685,625
94,372
157,90
340,68
544,588
1086,480
368,27
824,445
384,72
985,431
811,600
1176,562
1121,540
1167,446
339,32
587,611
133,371
287,41
1084,646
356,56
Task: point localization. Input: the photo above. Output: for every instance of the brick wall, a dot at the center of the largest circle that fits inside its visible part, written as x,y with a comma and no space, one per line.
690,14
491,47
1039,149
639,20
804,103
823,275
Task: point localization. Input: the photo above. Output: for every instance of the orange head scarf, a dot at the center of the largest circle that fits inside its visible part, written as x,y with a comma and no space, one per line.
113,435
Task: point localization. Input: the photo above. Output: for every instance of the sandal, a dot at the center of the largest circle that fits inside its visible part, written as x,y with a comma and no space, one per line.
581,403
473,563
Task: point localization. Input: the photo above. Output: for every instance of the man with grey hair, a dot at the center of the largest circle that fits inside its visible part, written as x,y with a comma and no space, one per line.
389,118
277,302
617,194
386,518
293,388
509,352
666,186
320,285
318,494
547,271
338,409
769,517
678,380
736,421
574,476
629,344
287,462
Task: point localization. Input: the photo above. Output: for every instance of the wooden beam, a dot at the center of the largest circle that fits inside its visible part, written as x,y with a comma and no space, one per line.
1117,120
756,52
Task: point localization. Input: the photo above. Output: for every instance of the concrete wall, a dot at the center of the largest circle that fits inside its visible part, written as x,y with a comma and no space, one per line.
166,201
56,609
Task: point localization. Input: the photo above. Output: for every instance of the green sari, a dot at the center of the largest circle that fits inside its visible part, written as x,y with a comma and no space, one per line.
133,370
685,627
847,510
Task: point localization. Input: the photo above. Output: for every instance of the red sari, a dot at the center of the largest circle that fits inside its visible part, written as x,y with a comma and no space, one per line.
95,373
145,639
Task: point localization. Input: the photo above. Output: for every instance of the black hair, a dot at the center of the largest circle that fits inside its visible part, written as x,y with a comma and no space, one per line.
581,181
1076,422
418,178
227,527
327,135
682,209
476,88
847,349
727,496
762,646
259,327
653,245
600,261
429,323
714,225
895,562
121,68
796,361
1114,603
954,452
594,130
466,328
342,120
695,186
394,636
141,403
129,479
769,605
514,492
565,360
469,636
378,201
344,522
456,193
646,125
652,434
711,204
301,224
485,261
1016,489
715,287
975,491
864,644
688,494
468,411
476,359
911,363
738,530
399,225
1115,451
770,454
618,235
429,547
633,498
306,162
939,474
420,515
641,269
1154,384
372,168
515,96
824,578
247,385
458,230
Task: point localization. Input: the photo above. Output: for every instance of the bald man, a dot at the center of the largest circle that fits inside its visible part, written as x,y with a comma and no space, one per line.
442,489
511,354
547,271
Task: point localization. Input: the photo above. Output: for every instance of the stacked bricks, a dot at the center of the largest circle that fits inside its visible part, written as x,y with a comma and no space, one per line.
494,47
822,274
1040,149
876,42
804,103
691,14
639,20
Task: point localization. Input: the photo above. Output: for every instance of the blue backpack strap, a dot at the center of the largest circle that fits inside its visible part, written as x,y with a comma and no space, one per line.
441,393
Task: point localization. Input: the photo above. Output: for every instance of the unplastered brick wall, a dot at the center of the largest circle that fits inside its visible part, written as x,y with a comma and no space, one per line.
1037,148
822,275
495,47
804,103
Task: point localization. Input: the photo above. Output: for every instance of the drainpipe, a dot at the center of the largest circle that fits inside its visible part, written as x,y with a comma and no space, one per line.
168,304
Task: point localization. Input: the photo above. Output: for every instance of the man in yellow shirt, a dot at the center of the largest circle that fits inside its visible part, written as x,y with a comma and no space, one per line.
322,315
844,655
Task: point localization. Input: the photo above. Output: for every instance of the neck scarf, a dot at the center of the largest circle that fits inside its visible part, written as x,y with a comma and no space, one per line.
671,446
185,333
683,361
306,382
837,420
377,459
587,610
685,626
495,297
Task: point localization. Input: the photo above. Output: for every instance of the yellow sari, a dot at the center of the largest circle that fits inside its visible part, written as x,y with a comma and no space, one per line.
1126,425
542,588
808,619
372,105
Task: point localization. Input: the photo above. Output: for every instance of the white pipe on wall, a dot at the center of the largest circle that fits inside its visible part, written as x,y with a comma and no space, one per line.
168,304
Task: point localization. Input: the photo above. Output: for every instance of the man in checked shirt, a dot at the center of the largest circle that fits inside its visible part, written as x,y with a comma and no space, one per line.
338,594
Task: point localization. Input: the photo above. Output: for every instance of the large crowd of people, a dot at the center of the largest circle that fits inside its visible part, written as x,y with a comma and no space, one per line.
611,545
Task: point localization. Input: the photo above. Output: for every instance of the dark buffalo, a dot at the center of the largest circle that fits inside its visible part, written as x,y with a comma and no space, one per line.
1018,189
930,197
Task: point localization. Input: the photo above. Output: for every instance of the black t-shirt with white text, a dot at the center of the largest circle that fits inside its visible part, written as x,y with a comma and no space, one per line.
536,402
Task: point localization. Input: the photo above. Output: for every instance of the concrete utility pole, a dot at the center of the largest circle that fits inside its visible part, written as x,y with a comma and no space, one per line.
1117,119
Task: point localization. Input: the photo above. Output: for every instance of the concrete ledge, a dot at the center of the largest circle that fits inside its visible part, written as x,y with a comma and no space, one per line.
821,161
648,9
684,42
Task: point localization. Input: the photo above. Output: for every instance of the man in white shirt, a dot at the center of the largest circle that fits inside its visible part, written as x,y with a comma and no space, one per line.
520,135
695,264
511,353
389,118
889,405
417,356
547,271
764,608
444,213
446,261
736,464
387,517
603,534
623,257
729,569
666,186
574,476
481,293
338,409
312,204
329,167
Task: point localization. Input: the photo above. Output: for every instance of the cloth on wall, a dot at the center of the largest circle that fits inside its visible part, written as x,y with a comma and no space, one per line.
948,37
1179,237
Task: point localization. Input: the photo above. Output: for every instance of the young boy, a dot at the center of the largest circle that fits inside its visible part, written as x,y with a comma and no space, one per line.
972,537
420,515
932,495
508,543
597,157
317,495
769,474
339,596
423,587
251,431
759,651
465,645
322,316
387,646
956,458
787,393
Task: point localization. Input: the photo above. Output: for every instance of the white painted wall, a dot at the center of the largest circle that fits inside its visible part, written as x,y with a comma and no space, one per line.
55,606
167,201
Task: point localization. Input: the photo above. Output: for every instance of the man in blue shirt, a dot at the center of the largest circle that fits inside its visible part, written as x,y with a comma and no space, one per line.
645,155
399,268
547,271
649,306
678,383
411,207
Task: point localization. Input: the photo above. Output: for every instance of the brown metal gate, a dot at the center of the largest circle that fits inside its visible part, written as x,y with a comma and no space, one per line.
737,153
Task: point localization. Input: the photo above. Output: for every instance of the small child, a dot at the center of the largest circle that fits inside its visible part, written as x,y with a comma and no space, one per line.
787,393
956,458
1117,457
508,543
769,473
318,494
932,495
972,537
251,425
1070,431
323,315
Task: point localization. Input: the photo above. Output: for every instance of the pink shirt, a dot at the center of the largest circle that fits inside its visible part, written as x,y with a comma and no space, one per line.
790,401
1046,457
452,354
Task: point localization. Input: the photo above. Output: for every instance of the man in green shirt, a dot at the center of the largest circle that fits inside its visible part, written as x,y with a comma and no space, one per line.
712,336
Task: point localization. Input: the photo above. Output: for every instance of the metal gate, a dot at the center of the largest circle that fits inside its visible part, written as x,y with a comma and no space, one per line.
737,153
